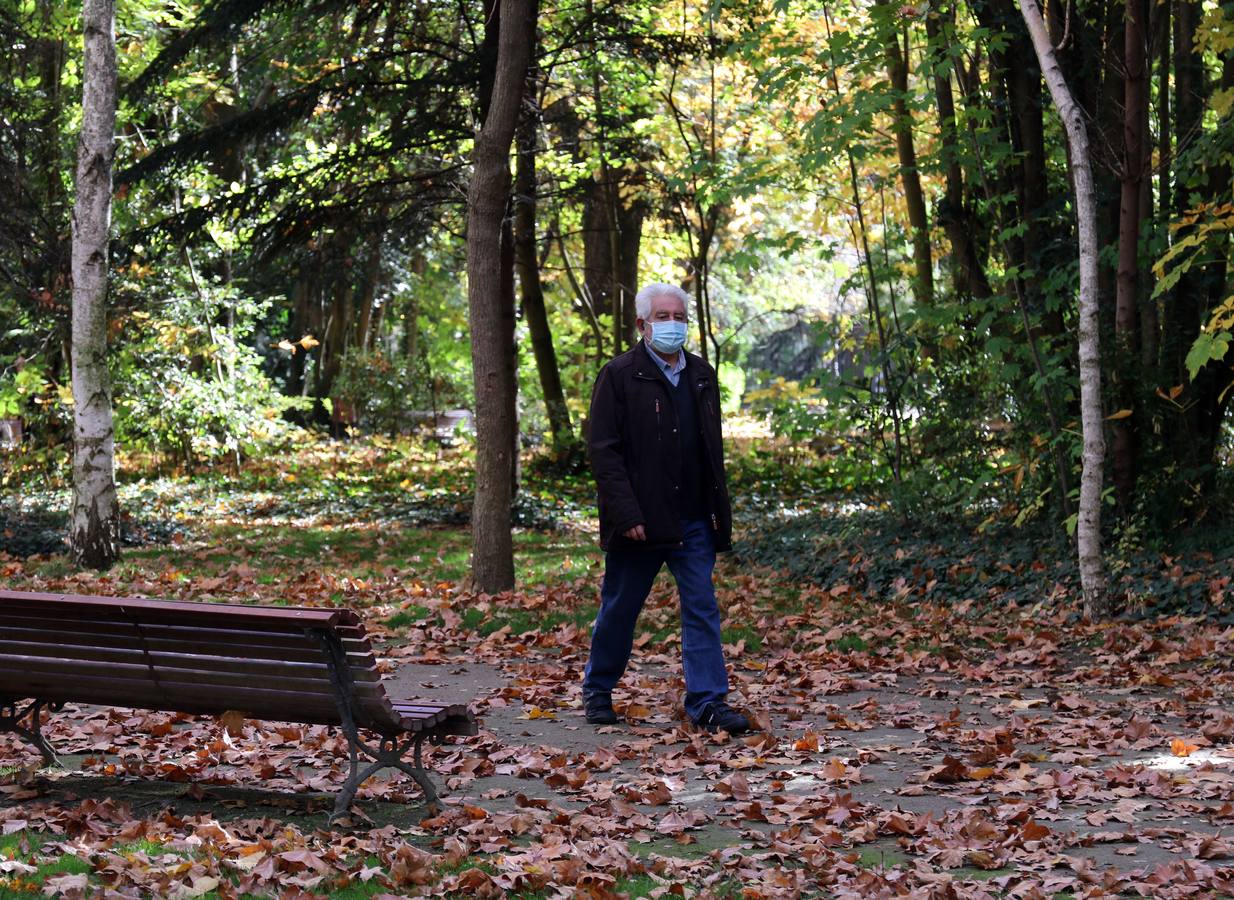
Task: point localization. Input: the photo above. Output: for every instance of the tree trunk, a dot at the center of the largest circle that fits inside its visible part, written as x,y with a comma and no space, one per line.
1211,389
1024,83
529,277
1150,331
1165,145
368,293
1127,295
375,326
52,58
598,262
94,526
1188,81
1088,527
630,223
301,298
1008,176
492,343
967,273
910,177
1195,442
341,316
1015,80
1181,306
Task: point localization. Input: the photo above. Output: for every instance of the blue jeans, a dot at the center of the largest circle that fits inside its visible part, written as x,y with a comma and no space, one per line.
628,576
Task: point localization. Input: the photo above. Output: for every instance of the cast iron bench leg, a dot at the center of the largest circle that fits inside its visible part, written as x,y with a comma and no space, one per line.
10,721
388,755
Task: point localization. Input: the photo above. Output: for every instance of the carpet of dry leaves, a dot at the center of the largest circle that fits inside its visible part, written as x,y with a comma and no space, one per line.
906,750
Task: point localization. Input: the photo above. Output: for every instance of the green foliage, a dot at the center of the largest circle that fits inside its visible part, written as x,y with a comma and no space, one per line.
384,389
23,389
793,410
188,382
1208,347
940,441
284,170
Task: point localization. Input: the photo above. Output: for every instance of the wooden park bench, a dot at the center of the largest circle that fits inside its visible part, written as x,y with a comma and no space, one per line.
286,664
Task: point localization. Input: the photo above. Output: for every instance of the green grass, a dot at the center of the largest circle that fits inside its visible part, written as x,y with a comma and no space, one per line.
877,857
407,616
735,633
146,846
23,846
359,890
432,554
55,567
786,597
661,634
851,643
11,844
463,865
970,873
919,646
521,621
443,554
637,886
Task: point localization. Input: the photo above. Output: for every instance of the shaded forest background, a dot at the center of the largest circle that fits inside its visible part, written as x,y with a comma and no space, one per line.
869,202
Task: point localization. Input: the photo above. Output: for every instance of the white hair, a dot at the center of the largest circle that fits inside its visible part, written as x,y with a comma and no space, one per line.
642,300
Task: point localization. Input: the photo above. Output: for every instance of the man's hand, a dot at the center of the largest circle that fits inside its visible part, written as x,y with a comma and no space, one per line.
637,533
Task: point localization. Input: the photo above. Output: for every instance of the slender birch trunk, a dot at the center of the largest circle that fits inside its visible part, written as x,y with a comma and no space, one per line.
1088,529
492,339
94,526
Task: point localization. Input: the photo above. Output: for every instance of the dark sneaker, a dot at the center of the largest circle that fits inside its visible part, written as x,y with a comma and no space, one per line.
719,716
599,710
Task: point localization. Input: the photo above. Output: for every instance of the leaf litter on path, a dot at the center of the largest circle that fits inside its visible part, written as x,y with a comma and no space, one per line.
910,749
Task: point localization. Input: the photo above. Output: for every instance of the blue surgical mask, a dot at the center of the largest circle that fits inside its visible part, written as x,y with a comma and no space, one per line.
668,337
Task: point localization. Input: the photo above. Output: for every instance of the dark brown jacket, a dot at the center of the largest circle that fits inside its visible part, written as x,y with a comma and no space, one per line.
636,456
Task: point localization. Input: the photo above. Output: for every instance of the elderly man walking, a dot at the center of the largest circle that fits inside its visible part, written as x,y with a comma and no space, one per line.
658,460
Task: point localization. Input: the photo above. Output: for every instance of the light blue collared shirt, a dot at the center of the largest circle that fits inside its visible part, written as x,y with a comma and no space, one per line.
672,371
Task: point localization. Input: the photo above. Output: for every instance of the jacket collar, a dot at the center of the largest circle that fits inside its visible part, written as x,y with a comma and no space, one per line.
645,367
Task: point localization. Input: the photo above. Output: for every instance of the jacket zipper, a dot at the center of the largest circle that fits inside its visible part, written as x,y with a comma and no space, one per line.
659,429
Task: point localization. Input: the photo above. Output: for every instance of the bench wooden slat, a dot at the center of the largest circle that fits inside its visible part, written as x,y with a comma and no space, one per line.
218,642
253,670
222,679
449,709
452,718
291,636
418,708
78,644
187,698
200,661
184,611
462,724
194,697
18,670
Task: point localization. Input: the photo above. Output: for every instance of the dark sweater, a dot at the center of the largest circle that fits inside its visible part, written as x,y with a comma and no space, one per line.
693,503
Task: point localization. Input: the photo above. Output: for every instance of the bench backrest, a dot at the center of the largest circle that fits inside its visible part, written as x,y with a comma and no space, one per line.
207,658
